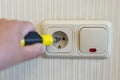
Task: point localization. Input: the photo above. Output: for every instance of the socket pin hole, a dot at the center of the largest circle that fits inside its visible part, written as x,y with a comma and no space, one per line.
59,47
63,39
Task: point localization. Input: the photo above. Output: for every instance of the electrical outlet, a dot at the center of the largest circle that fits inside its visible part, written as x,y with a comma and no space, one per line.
65,43
78,39
64,47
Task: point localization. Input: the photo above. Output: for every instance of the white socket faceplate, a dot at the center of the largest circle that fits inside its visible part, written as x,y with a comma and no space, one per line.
68,48
86,39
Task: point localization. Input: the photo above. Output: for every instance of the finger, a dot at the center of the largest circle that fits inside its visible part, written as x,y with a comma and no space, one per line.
3,20
33,51
26,27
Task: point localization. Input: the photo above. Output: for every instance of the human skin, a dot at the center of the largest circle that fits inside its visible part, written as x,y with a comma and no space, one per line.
11,33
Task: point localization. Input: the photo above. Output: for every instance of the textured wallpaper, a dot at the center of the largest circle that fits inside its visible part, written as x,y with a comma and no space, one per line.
65,69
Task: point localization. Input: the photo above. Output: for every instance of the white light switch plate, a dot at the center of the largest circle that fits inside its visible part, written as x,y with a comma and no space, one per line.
78,39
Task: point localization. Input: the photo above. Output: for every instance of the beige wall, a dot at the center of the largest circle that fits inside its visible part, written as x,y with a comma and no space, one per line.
65,69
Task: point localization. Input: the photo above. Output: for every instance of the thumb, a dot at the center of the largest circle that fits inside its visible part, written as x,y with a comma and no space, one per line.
33,51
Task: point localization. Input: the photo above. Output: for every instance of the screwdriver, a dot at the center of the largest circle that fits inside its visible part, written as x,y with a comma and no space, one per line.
34,37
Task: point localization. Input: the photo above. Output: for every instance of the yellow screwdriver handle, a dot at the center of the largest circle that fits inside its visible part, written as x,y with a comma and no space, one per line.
33,37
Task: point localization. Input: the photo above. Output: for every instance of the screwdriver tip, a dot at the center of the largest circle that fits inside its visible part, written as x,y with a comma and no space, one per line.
56,39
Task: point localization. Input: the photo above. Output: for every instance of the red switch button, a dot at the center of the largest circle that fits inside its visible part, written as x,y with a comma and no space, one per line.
92,50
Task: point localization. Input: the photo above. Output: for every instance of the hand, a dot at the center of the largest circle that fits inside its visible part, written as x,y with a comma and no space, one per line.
11,33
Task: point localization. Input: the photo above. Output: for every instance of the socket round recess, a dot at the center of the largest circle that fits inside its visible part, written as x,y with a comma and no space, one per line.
62,39
65,44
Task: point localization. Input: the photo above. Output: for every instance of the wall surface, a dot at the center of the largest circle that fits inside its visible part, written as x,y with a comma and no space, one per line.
65,69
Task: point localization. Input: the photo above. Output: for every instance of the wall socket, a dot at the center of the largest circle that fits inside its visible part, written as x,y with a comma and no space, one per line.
78,39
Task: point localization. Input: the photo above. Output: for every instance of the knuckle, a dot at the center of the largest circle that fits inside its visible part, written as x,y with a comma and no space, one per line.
28,24
15,21
3,19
